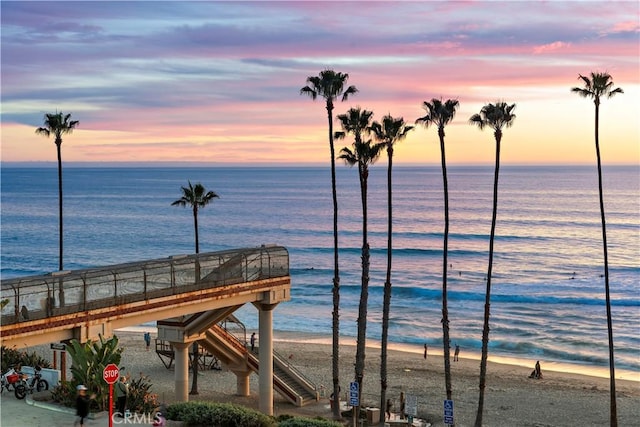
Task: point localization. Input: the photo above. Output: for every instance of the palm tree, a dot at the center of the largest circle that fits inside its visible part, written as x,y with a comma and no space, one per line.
495,116
440,114
58,124
330,85
390,131
599,85
196,197
357,122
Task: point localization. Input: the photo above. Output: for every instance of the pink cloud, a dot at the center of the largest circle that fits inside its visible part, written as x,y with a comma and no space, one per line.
625,27
550,47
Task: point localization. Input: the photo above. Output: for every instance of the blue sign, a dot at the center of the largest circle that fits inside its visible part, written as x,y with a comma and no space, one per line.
448,412
354,394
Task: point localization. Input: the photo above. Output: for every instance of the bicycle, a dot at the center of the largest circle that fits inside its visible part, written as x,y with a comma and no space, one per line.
23,386
9,380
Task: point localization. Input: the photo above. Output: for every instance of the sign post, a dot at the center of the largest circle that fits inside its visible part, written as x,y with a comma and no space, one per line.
354,398
111,373
448,412
412,407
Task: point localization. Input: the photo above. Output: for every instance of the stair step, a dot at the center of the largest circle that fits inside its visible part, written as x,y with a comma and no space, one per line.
284,376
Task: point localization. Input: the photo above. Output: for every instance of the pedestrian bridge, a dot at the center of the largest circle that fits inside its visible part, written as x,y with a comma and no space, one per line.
189,293
81,304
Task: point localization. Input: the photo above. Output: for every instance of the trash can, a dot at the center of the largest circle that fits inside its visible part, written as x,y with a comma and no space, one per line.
373,416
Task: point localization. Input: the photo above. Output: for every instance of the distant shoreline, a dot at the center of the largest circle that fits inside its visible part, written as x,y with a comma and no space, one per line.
325,339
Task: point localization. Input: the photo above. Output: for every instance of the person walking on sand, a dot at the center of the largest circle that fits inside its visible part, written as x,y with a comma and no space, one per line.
147,339
456,353
425,352
82,405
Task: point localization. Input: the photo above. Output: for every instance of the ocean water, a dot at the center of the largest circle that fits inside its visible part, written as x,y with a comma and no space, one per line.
547,288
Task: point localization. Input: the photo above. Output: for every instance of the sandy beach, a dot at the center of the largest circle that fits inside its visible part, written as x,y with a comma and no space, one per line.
512,399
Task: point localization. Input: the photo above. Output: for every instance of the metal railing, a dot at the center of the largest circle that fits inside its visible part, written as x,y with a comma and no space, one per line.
65,292
287,366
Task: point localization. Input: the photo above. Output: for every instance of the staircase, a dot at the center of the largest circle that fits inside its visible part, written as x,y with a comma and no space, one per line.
287,380
304,389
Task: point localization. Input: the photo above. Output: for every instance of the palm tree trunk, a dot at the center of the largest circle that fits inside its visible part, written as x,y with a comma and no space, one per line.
364,292
386,304
487,304
336,278
194,385
60,224
613,420
60,203
445,251
195,227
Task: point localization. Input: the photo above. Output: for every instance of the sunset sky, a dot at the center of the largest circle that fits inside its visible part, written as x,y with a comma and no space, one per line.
219,82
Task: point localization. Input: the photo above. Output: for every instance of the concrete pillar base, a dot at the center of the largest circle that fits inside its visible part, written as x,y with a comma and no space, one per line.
242,382
265,353
181,351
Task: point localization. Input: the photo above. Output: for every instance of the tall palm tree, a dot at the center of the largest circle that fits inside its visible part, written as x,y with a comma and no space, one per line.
496,116
595,87
390,131
441,114
58,124
330,85
357,123
196,197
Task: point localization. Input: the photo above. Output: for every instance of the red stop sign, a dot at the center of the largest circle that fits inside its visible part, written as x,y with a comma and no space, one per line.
111,373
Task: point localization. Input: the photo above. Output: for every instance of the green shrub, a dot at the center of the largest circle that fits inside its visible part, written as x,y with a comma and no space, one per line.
196,414
140,399
12,357
308,422
88,361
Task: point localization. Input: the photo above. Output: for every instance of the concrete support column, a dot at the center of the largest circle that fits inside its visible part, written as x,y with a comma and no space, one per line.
265,354
181,351
242,382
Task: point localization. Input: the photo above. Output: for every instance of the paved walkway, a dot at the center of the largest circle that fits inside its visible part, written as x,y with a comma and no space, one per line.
30,413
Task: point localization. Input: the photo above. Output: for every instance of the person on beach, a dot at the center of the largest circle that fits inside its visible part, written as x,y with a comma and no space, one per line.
402,405
82,405
537,372
122,389
425,352
147,340
253,341
456,353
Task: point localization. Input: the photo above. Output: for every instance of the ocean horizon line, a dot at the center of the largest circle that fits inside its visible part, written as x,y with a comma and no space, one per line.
298,165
